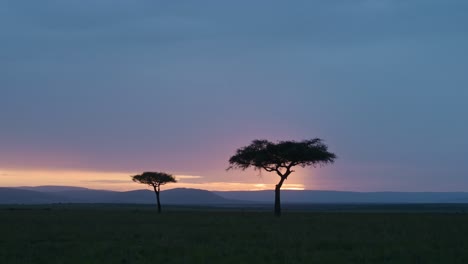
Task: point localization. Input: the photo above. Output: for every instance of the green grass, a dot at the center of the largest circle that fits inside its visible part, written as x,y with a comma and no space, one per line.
139,235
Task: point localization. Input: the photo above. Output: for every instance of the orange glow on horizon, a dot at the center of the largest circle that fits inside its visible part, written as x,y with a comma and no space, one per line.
121,181
296,187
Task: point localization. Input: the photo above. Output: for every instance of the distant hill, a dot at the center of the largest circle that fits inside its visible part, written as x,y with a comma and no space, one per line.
193,196
64,194
183,196
18,196
52,188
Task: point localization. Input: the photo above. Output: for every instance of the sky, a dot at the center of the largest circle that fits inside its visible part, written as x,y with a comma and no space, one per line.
92,92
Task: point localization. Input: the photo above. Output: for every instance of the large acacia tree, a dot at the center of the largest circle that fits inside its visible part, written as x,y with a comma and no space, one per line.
155,180
281,157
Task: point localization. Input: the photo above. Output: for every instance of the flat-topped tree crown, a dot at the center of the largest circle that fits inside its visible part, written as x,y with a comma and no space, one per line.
281,157
154,179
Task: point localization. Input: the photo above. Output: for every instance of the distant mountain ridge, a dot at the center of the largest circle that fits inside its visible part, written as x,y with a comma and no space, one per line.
184,196
52,188
66,194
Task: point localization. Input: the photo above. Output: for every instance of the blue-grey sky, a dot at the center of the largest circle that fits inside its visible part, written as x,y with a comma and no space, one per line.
127,86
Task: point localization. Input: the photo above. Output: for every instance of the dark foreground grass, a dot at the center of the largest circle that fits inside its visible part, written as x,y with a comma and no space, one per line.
140,235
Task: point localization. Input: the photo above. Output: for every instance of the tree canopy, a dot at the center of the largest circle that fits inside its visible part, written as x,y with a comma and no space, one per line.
154,179
263,154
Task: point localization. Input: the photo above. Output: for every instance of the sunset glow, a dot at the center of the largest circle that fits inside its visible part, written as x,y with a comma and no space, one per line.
121,181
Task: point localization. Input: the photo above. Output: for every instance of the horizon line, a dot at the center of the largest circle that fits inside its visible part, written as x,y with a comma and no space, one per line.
260,190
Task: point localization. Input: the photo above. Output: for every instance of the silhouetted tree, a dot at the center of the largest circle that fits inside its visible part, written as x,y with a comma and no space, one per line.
281,157
154,179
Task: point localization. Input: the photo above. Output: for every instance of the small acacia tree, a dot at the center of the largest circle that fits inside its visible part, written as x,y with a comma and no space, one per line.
154,179
281,157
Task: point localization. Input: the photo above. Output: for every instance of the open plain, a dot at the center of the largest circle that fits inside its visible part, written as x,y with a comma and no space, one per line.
137,234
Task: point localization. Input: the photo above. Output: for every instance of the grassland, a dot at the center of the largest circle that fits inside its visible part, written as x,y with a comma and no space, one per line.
113,234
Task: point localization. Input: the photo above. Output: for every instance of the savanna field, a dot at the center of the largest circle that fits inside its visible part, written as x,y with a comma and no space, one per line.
102,234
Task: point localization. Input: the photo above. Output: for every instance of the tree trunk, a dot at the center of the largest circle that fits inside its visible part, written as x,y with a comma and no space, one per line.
278,197
159,203
156,191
